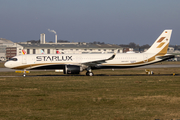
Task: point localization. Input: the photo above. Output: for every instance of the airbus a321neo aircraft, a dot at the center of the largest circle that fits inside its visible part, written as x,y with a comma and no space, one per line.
76,63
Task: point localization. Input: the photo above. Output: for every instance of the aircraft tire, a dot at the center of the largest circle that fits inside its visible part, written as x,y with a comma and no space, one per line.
89,74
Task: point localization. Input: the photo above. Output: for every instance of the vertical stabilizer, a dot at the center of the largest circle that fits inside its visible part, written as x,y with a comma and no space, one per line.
24,52
160,46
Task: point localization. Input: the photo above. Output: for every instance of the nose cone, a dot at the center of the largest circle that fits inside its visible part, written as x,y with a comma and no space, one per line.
7,64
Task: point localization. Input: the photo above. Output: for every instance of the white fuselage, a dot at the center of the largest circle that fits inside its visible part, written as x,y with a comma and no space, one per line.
121,60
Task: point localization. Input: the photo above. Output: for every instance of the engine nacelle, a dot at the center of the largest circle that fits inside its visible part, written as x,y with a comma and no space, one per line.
72,69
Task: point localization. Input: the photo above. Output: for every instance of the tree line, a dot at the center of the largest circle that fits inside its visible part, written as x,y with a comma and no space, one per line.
134,45
38,41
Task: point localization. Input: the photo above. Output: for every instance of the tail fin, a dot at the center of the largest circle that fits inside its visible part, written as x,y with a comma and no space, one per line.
57,52
24,52
160,46
42,52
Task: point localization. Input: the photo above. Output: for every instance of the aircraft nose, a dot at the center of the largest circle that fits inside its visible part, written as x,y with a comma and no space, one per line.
7,64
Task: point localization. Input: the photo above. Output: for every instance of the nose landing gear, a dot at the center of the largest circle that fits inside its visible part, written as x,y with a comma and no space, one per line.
24,73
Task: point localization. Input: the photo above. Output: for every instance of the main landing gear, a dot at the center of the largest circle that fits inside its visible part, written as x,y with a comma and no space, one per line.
89,72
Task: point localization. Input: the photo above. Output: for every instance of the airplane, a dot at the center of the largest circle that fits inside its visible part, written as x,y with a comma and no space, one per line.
57,52
24,52
76,63
42,51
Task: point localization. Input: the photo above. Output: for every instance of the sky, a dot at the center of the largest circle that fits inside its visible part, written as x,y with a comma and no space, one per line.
109,21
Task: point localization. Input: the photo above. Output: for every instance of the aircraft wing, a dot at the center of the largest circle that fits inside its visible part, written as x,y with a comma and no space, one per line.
94,63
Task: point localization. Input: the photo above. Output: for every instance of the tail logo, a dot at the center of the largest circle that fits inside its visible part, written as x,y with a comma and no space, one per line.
160,40
24,52
160,45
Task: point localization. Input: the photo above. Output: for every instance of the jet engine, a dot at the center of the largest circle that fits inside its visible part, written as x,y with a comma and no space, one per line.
72,69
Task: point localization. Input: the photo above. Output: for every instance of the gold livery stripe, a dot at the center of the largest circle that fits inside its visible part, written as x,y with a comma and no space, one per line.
36,65
163,51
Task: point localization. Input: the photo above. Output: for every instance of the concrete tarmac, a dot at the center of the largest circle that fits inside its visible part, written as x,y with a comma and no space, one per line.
160,66
143,67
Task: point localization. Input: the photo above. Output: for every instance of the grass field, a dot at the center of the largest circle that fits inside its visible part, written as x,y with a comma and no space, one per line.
2,64
59,97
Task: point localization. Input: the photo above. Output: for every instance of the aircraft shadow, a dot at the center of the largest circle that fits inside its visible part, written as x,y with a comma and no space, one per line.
108,75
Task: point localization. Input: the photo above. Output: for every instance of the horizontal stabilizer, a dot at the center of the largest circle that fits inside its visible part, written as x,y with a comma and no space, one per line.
166,57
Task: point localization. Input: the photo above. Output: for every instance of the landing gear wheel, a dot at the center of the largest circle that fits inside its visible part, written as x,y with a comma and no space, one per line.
24,73
89,74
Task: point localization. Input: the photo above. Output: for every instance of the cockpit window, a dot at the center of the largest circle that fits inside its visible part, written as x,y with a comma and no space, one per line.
13,59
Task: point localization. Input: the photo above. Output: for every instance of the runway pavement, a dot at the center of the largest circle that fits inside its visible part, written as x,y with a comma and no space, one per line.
145,67
160,66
